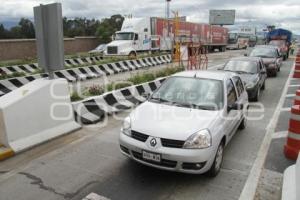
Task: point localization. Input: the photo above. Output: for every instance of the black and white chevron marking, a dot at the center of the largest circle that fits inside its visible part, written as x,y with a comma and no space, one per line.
95,109
85,73
30,68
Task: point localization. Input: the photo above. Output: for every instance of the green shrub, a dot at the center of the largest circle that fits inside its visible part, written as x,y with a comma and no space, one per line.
13,75
95,90
75,97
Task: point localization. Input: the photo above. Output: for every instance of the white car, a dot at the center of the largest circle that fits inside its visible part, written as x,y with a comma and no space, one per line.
186,123
99,49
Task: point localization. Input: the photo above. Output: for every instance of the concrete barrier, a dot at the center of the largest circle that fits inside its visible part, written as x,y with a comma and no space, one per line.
95,109
36,113
84,73
291,182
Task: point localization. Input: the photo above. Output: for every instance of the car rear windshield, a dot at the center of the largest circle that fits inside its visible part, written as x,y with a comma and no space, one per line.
200,93
277,43
264,52
241,66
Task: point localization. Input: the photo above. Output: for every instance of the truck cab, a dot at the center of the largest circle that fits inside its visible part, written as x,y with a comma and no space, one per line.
134,37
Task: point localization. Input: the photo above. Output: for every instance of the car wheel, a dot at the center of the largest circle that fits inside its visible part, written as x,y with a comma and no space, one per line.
216,166
284,57
132,55
263,87
256,98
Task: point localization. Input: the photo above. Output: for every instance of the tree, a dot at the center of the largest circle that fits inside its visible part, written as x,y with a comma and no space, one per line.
2,31
26,28
108,27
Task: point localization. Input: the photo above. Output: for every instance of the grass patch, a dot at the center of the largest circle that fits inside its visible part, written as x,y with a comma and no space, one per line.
137,79
75,97
13,75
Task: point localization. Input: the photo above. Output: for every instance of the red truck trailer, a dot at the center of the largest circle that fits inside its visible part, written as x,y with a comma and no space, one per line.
213,37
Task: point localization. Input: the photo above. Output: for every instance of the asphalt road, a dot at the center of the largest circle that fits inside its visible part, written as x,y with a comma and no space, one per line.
89,161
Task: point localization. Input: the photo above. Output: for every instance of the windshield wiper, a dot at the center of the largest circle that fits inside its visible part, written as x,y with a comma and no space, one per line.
191,105
159,99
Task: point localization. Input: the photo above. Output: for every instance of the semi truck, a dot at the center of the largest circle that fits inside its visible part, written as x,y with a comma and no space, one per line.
280,38
158,34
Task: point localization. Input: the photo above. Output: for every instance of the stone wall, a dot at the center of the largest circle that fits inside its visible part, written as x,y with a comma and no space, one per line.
26,48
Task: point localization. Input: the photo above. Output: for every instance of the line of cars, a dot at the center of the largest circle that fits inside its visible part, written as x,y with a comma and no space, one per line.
187,122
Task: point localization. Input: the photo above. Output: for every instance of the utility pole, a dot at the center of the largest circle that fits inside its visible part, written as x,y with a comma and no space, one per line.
168,15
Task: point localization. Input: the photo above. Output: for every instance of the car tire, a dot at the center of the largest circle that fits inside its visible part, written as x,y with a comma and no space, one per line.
216,166
284,57
132,55
263,87
256,98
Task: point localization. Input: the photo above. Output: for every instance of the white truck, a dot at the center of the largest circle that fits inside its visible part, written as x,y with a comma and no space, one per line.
136,35
152,34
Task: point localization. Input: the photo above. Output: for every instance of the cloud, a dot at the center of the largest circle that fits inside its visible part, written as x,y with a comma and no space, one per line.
281,13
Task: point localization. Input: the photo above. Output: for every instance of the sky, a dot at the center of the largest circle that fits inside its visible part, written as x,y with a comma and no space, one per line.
282,13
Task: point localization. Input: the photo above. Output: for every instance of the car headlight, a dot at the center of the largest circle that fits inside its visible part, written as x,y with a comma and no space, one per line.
126,129
200,140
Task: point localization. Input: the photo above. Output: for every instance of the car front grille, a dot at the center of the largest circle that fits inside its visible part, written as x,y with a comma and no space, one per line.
172,143
139,136
112,50
163,163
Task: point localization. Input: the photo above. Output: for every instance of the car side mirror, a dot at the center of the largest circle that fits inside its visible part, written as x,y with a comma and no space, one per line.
245,54
235,106
263,72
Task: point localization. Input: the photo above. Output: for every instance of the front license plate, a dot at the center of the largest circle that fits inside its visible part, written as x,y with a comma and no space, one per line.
151,156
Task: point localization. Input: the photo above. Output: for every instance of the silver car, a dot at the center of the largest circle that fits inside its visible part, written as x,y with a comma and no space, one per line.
186,123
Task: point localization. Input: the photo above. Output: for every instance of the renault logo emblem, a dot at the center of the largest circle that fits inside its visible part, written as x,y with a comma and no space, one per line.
153,142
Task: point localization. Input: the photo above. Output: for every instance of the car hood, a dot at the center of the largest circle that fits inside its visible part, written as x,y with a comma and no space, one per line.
249,78
269,60
170,122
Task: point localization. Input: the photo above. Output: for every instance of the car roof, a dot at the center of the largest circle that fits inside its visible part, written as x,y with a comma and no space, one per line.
257,59
208,74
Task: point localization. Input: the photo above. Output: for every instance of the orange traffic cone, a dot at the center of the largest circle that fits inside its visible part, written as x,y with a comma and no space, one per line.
297,98
292,147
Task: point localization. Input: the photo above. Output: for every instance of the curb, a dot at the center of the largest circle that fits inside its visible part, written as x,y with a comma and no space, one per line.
6,153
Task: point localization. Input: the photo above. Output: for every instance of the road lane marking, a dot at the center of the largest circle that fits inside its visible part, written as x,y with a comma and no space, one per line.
250,187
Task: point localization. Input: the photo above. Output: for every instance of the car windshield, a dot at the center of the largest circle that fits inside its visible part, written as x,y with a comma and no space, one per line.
206,94
241,66
264,52
124,36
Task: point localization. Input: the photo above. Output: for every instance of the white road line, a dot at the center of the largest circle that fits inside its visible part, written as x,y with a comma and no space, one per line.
278,135
250,187
294,85
94,196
